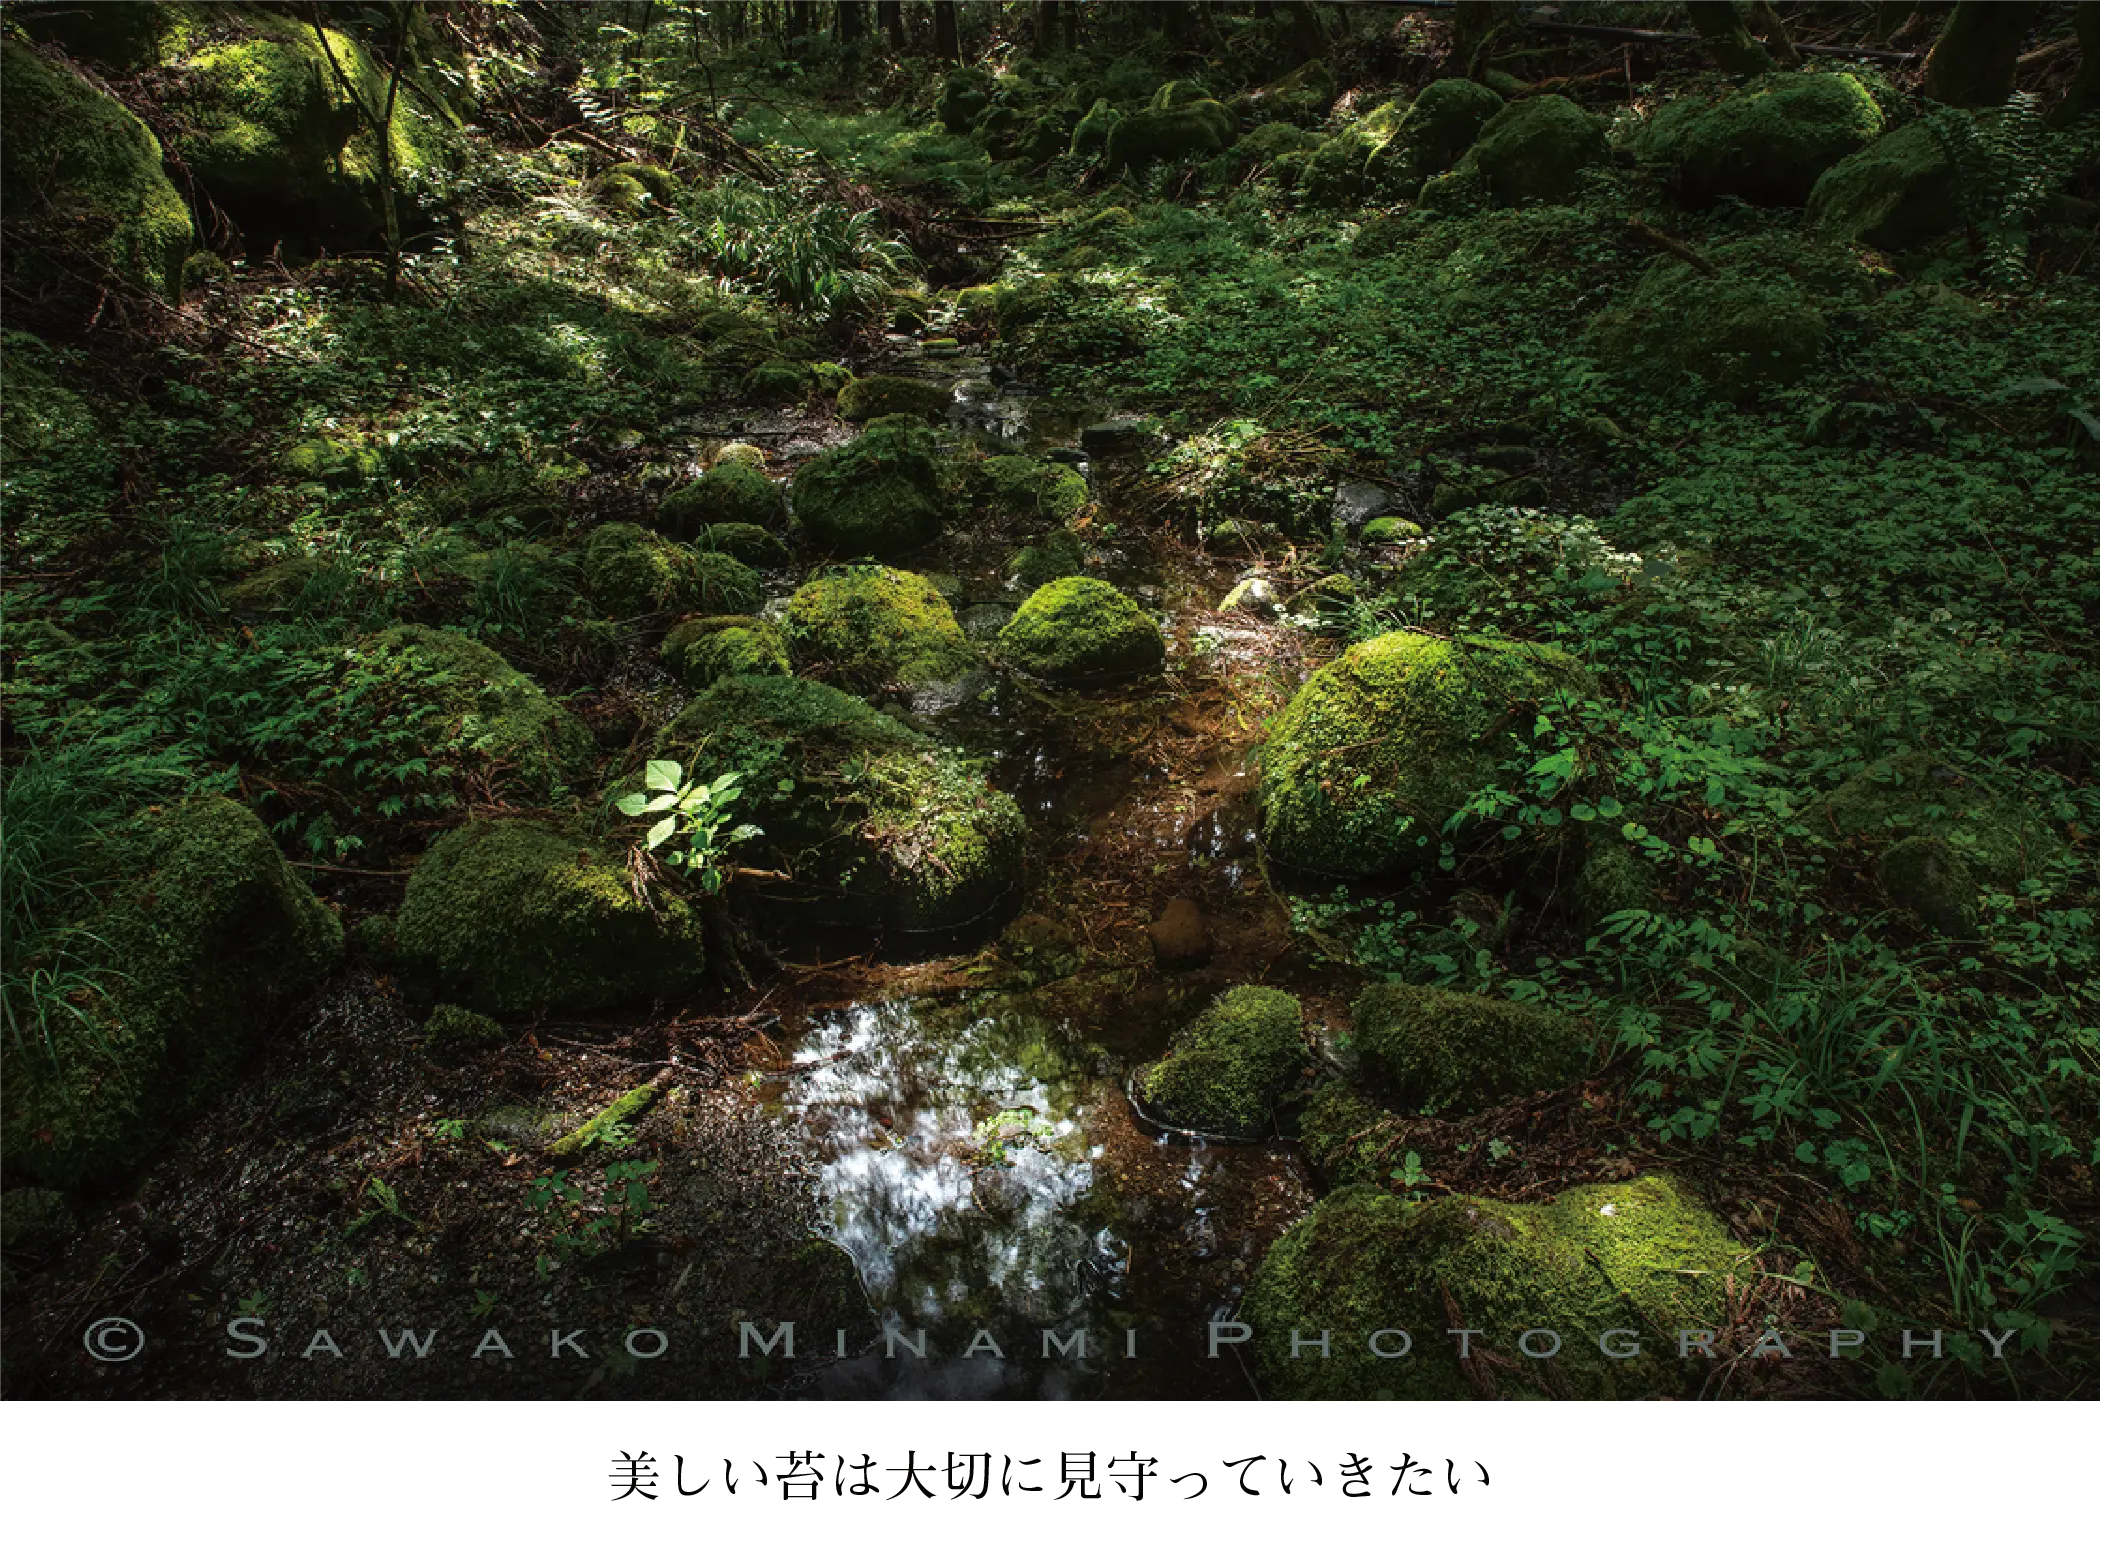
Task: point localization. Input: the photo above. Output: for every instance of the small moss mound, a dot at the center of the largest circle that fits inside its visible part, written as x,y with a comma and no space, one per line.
873,396
1347,1138
1767,142
1190,130
661,184
873,628
1916,793
488,709
454,1031
1435,133
1226,1071
700,652
1613,878
1927,879
510,916
1902,192
80,170
779,382
1079,630
205,945
880,495
1740,328
1057,553
1091,135
1641,1258
324,459
1024,490
632,572
755,546
1440,1050
1537,150
731,493
1378,750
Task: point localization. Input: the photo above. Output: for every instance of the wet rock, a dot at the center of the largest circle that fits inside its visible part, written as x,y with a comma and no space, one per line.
1079,630
1357,501
1181,936
1251,595
1227,1070
1113,435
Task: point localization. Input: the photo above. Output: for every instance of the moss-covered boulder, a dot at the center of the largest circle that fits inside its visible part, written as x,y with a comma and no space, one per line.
1537,149
1192,130
333,461
1736,327
872,396
1642,1260
1766,143
475,703
80,171
1926,878
882,494
1080,630
754,546
872,824
1091,135
1023,490
778,383
701,651
1915,793
730,493
1447,1052
1226,1071
1348,1138
201,950
512,916
631,572
966,93
1381,747
872,628
1899,193
1302,96
660,184
1058,553
1613,878
1434,134
454,1032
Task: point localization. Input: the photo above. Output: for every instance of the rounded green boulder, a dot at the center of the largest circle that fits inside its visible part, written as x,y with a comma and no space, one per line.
1226,1071
881,495
872,628
729,493
1080,630
1446,1051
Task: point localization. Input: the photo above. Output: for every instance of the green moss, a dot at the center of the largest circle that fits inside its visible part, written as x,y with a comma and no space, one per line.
454,1031
488,709
1915,794
1765,143
1641,1256
872,396
1021,489
509,916
1379,748
1445,1051
730,492
1738,329
1150,136
1347,1138
778,382
632,572
202,949
1058,553
621,193
609,1121
1302,95
754,546
1337,171
1226,1071
1927,879
1079,630
497,499
1435,132
324,459
1614,877
1091,135
872,628
977,304
661,184
1537,150
743,451
700,652
1902,192
1390,530
880,495
288,584
946,846
81,171
966,93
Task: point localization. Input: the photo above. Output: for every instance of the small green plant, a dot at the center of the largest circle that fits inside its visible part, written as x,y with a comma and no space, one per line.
698,812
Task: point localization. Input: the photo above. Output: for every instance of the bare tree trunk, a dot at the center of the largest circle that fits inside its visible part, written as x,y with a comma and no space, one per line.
890,16
1766,21
1728,40
1045,38
947,43
1973,59
853,26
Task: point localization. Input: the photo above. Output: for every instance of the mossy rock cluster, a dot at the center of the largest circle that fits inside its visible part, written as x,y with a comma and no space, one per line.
1079,630
1438,128
1642,1259
1767,143
1445,1051
1899,193
1226,1072
1337,172
873,824
1023,490
81,172
511,916
1299,97
1737,328
874,628
483,708
1057,553
1191,130
729,494
1534,150
873,396
205,946
632,572
1381,747
701,651
881,495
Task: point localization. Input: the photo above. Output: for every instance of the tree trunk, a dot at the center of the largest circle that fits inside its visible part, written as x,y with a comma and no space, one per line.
1728,40
1774,31
1045,37
1973,59
2086,86
890,16
1309,33
853,26
947,44
1475,24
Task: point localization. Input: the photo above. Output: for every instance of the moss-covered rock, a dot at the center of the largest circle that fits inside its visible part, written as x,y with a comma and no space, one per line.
1058,553
1338,170
779,382
661,185
331,460
1901,192
1080,630
1390,530
1612,879
511,916
632,572
740,451
1226,1071
872,396
1193,130
202,949
966,93
1767,142
700,652
1916,793
1441,1050
1929,880
1379,748
1302,96
80,171
1347,1138
1641,1258
882,494
1021,489
1738,328
1537,149
1434,134
755,546
453,1032
874,825
872,628
730,492
1091,135
482,707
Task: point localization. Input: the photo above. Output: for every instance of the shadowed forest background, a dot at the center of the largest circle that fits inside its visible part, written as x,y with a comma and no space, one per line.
1002,669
